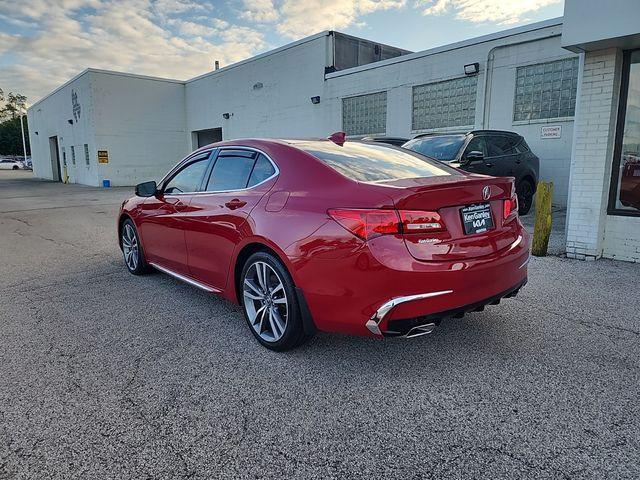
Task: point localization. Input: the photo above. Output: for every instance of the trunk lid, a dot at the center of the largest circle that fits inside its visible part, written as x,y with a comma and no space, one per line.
448,195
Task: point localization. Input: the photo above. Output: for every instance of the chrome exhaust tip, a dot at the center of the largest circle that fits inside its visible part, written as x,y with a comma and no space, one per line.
420,330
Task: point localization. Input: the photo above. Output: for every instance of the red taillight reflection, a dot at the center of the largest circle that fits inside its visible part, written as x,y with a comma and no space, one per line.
510,209
415,221
367,224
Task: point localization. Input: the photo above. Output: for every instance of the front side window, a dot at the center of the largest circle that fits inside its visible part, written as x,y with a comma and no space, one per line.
546,90
367,162
188,178
625,184
441,147
365,114
451,103
477,144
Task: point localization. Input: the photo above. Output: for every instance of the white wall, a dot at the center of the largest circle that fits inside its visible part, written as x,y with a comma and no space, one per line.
50,118
594,24
141,123
280,108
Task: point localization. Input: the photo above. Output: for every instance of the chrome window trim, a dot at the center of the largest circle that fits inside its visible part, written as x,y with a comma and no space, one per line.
220,149
229,147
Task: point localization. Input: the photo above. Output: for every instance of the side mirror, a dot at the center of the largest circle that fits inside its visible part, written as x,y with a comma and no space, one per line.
146,189
474,156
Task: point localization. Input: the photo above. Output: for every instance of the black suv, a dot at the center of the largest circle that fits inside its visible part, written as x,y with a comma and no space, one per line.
491,152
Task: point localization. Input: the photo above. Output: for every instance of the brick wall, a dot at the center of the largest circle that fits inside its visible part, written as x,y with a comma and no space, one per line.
592,153
622,238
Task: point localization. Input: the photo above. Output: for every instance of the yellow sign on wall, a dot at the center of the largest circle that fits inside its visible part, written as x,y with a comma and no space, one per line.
103,156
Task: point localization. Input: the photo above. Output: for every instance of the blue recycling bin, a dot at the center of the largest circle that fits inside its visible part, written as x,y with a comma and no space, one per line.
106,183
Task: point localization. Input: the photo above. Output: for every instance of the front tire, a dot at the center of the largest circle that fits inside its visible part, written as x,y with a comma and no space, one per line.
270,303
525,192
132,249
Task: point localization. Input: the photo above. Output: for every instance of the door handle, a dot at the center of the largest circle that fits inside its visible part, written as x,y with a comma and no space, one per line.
235,203
489,164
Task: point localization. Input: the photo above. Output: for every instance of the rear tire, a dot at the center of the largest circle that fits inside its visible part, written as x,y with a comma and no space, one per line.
270,303
132,249
15,167
525,192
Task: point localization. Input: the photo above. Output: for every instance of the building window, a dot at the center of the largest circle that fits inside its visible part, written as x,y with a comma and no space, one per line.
86,153
546,90
73,155
64,157
451,103
624,196
365,114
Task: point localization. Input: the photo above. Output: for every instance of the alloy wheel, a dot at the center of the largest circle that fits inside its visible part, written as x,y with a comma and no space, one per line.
130,247
265,301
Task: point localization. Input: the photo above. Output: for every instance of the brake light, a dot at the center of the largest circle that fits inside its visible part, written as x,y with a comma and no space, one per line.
367,224
415,221
510,209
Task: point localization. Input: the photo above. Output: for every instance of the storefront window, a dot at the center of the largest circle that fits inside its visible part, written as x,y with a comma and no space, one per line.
626,174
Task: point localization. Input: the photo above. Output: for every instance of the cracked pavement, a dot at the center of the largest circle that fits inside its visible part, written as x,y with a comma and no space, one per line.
107,375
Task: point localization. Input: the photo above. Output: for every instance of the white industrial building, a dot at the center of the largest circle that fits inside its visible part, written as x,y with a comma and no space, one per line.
123,129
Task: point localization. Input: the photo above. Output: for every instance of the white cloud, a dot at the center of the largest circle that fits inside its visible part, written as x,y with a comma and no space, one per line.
298,18
480,11
259,11
138,36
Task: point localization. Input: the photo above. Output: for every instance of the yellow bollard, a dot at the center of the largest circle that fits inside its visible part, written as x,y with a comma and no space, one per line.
542,227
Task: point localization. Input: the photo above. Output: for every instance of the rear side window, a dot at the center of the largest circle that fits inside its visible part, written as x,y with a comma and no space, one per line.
262,170
373,163
498,146
231,171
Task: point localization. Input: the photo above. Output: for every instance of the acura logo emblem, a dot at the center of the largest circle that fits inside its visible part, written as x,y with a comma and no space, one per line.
486,192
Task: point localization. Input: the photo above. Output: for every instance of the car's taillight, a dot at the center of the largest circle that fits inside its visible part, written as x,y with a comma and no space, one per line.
416,221
510,209
367,224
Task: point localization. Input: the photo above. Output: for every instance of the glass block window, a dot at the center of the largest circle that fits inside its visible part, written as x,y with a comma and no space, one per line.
365,114
73,154
86,153
546,90
451,103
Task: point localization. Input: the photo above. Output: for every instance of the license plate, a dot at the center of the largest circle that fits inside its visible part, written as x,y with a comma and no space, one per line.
476,218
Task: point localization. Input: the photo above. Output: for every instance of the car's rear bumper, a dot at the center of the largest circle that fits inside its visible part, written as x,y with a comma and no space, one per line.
376,295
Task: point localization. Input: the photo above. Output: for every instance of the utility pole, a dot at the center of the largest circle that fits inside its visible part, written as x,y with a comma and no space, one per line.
24,143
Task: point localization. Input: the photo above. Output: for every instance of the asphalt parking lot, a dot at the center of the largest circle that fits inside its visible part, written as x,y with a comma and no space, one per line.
107,375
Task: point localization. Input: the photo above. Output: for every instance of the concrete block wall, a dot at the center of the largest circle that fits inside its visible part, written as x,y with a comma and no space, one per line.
592,154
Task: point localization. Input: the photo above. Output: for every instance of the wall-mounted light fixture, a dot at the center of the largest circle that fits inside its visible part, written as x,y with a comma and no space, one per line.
315,100
70,121
36,133
226,116
472,69
258,85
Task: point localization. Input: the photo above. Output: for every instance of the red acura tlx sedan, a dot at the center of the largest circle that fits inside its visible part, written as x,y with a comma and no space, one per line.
329,235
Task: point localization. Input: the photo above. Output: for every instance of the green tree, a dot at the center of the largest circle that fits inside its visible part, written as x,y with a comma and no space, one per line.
11,137
12,105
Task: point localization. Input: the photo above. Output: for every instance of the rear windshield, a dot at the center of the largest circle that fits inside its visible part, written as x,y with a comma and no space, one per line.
373,163
442,147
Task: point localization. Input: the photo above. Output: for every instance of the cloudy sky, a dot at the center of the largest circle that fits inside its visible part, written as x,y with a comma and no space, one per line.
45,42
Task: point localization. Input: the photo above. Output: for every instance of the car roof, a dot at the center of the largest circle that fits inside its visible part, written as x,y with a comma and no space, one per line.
472,132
